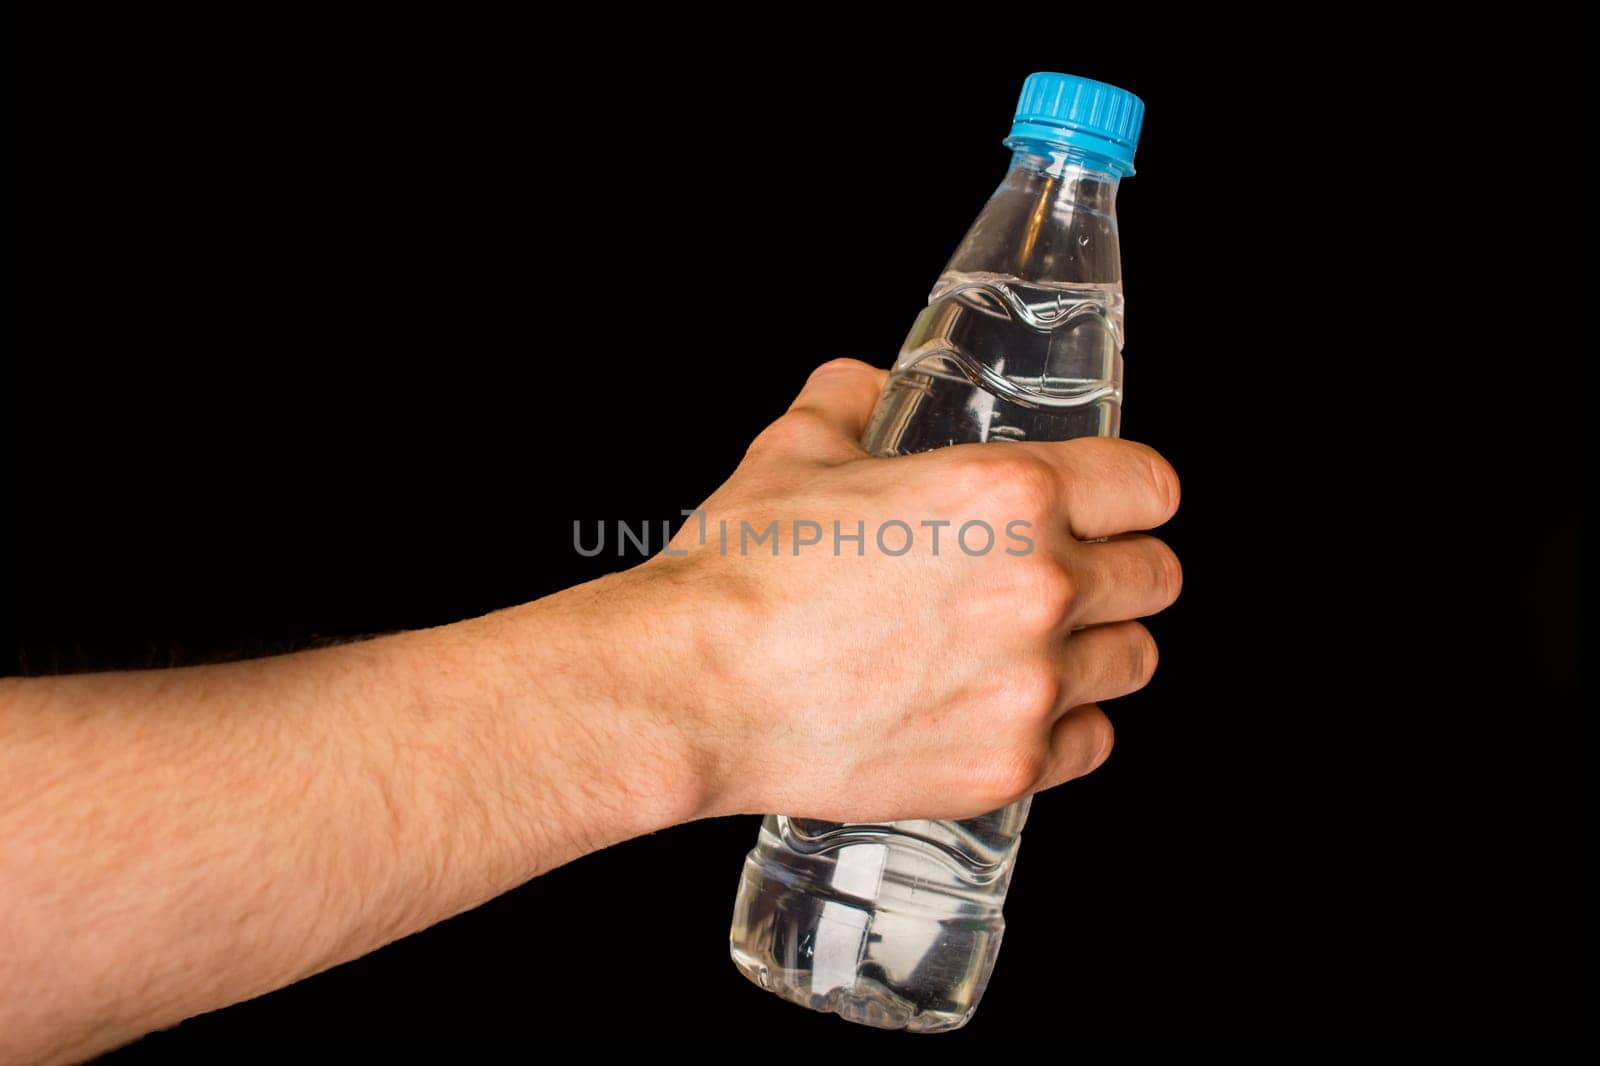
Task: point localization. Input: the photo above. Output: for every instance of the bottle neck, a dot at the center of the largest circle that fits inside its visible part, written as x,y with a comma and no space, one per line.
1067,176
1053,219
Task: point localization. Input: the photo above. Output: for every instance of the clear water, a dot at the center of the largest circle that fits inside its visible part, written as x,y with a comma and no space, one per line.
897,925
996,358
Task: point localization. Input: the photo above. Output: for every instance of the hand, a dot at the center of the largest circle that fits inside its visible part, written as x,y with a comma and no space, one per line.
871,686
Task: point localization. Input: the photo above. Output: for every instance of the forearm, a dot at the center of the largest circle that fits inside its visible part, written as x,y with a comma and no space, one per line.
174,841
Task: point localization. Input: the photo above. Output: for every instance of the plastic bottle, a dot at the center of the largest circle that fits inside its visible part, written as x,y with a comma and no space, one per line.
897,925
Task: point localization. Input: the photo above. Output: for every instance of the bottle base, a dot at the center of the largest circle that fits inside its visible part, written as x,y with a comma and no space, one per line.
868,1003
912,958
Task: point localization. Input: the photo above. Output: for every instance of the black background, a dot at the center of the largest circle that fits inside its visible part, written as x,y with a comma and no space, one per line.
334,330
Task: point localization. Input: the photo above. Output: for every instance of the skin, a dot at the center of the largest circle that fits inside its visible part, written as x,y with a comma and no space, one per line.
175,841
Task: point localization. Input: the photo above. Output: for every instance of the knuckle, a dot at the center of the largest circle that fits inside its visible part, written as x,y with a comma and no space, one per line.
1027,483
791,431
767,441
803,423
1011,773
1033,692
1004,483
961,473
1045,595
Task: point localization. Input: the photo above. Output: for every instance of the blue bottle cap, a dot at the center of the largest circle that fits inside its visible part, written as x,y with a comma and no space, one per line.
1092,116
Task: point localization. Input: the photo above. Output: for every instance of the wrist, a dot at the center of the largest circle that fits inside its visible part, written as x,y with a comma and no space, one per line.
605,695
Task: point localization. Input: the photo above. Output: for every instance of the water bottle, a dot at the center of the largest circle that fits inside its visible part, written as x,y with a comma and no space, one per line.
897,925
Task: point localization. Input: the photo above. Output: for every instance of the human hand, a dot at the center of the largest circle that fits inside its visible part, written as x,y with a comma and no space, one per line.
876,687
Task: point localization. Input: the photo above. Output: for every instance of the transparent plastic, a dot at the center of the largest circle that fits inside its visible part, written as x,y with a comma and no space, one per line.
897,925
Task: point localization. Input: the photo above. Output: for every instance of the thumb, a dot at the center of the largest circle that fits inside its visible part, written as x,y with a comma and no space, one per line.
842,393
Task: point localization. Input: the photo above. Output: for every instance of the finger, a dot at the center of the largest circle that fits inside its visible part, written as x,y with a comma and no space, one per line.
1104,662
1079,743
1129,576
842,393
1109,485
